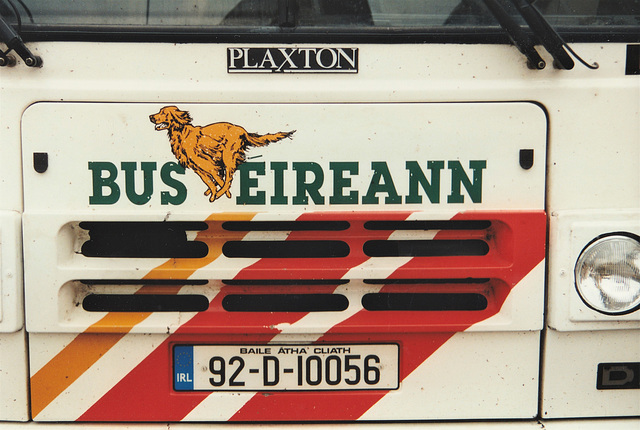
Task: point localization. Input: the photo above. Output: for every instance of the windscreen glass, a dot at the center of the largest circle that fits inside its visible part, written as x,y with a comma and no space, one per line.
326,16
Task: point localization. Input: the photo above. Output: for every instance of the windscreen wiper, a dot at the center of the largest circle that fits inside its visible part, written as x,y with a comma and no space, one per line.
14,42
516,34
549,38
287,13
541,29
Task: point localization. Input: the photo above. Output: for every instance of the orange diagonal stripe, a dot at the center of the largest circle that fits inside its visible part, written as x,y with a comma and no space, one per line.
87,348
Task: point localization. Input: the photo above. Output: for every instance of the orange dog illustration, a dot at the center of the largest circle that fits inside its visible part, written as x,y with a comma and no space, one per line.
214,151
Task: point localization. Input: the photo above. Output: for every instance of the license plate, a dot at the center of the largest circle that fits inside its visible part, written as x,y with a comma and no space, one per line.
285,367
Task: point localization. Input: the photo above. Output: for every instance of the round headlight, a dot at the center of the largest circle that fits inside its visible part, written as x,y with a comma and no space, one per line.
608,274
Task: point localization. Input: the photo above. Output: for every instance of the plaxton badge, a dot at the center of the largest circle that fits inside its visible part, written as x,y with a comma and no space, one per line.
292,60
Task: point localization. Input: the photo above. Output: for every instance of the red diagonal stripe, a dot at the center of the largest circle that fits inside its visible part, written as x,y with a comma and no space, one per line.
146,393
529,230
339,406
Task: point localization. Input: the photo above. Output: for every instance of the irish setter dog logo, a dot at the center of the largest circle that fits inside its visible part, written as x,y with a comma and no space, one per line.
213,151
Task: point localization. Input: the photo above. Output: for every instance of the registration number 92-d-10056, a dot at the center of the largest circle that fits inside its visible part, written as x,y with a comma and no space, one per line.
285,367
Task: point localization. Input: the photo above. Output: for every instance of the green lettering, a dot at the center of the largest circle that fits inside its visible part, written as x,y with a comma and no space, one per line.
278,197
304,189
417,177
381,182
99,183
458,176
247,182
129,168
181,191
340,183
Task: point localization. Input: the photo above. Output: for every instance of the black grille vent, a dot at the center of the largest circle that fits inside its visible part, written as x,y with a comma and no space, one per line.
424,302
286,249
285,303
143,240
425,248
427,225
145,303
285,225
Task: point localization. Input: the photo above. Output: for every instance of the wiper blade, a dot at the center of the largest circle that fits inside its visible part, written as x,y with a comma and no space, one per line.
518,37
541,29
14,42
287,13
549,38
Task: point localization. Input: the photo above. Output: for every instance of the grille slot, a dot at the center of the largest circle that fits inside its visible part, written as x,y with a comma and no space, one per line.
424,302
143,240
285,303
465,281
143,282
427,225
283,282
285,225
145,303
286,249
425,248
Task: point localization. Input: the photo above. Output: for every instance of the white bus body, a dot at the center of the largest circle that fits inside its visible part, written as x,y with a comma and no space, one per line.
317,227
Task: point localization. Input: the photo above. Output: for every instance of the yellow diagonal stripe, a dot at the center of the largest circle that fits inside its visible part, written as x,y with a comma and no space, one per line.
87,348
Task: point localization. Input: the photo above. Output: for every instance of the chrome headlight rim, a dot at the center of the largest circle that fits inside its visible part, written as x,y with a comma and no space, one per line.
594,242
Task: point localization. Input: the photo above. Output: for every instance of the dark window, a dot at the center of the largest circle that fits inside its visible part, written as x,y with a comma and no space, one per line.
212,19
